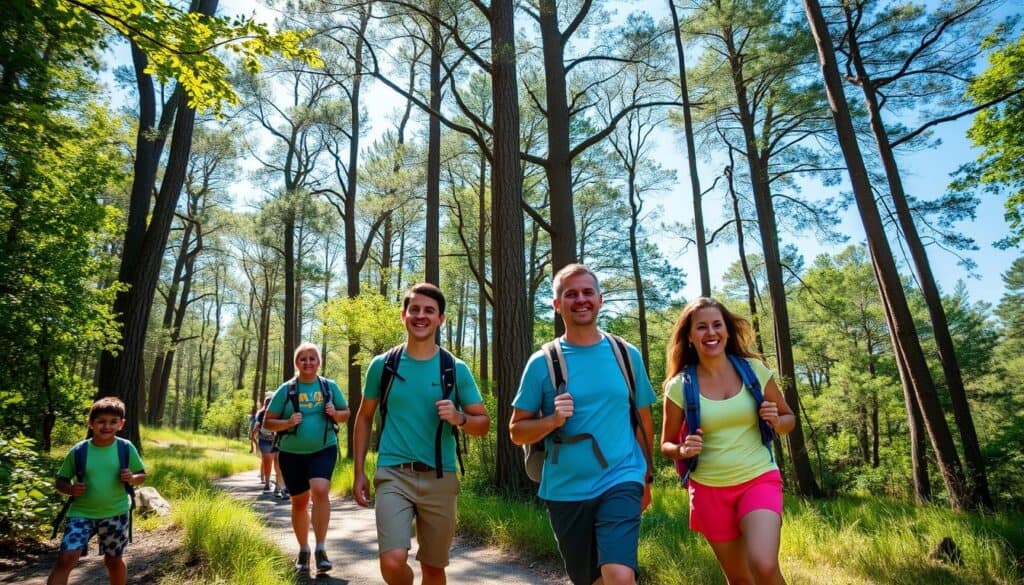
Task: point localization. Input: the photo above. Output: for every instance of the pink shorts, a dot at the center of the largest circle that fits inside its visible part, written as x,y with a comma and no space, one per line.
716,512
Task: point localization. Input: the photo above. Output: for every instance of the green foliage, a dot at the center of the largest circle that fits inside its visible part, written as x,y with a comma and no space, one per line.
369,319
228,416
27,500
999,132
183,45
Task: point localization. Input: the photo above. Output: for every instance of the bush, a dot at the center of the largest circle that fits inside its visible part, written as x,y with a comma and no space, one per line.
28,502
229,415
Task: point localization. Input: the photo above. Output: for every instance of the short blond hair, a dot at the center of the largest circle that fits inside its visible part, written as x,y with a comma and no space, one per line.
306,346
558,281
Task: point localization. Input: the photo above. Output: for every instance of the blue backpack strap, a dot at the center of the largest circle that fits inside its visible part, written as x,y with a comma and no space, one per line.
79,454
123,462
753,386
447,389
691,410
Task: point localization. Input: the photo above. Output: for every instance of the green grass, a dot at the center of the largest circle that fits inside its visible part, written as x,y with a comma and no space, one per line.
839,541
226,535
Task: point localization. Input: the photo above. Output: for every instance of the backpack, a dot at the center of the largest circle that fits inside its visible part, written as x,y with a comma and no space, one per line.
535,453
691,411
387,379
293,398
263,433
80,453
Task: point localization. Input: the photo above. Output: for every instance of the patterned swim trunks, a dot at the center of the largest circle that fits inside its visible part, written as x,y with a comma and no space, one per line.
111,533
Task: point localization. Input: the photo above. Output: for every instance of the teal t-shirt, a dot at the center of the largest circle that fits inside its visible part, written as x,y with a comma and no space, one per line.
412,415
309,435
104,495
601,408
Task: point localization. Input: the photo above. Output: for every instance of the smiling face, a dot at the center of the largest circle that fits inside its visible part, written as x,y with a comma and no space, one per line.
104,427
307,363
708,332
421,316
579,301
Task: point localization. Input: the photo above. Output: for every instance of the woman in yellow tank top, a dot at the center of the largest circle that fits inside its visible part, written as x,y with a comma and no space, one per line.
736,491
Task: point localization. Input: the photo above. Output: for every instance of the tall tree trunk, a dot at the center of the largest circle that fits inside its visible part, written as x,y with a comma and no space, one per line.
512,331
894,300
804,475
691,155
929,289
559,167
481,260
432,248
638,281
755,318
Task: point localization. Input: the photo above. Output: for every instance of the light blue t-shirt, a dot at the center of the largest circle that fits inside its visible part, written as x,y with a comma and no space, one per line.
601,408
411,425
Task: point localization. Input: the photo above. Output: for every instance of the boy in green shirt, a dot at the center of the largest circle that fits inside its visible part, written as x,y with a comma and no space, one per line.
100,504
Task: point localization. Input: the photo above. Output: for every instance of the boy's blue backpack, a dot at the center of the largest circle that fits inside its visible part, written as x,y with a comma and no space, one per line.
691,410
80,453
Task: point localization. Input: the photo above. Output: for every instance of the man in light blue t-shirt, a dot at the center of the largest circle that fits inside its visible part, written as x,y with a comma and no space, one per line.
415,479
594,509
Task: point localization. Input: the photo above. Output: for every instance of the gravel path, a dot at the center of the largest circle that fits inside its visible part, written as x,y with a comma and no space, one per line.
352,544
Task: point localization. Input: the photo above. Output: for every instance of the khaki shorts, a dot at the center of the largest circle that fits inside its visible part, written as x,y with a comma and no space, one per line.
403,495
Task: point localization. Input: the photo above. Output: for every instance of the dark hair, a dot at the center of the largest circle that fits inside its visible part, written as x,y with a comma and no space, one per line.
426,289
106,405
680,353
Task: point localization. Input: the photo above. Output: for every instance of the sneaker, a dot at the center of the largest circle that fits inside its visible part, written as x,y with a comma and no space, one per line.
322,563
302,563
283,494
266,486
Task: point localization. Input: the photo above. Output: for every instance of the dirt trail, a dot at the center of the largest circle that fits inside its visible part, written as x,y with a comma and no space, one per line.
352,544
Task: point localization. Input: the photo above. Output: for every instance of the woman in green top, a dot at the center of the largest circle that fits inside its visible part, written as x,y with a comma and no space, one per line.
304,412
736,491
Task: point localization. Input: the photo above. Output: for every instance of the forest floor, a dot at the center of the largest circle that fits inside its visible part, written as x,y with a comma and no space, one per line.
352,547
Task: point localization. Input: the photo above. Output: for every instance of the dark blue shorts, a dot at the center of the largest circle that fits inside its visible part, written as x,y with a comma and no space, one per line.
599,531
267,446
299,468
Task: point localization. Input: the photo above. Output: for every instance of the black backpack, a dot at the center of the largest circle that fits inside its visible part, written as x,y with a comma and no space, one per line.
387,378
293,398
80,453
535,453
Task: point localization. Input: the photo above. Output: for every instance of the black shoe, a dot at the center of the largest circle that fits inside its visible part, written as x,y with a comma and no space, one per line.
302,563
322,563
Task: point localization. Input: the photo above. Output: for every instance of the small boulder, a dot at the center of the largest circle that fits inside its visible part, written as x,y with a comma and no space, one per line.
946,551
148,501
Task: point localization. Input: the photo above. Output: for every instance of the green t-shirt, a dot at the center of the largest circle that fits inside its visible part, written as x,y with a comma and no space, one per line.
104,495
733,452
412,415
309,435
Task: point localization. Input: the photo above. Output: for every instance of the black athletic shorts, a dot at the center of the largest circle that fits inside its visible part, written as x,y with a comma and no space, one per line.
299,468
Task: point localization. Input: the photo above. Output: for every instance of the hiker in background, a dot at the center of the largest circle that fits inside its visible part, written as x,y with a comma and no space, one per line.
305,413
736,490
100,499
424,394
596,488
268,453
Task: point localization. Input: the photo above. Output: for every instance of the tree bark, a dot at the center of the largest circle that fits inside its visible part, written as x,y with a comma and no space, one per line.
512,331
894,300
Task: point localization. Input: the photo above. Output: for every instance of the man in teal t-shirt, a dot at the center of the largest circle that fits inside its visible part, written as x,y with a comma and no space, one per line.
594,509
406,483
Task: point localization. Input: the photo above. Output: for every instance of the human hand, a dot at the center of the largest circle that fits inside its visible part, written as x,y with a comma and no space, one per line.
646,500
295,419
692,445
126,475
769,412
361,490
77,489
446,411
563,407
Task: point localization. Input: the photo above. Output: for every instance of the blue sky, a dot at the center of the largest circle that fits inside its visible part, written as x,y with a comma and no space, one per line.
926,175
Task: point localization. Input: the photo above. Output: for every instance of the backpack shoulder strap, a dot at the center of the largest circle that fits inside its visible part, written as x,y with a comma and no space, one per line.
753,385
387,379
81,455
555,359
448,387
625,361
447,374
